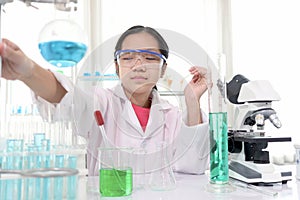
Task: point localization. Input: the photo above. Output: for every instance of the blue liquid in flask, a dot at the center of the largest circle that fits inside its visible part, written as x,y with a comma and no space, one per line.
219,148
62,53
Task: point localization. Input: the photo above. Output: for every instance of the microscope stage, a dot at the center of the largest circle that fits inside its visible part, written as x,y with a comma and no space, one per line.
255,139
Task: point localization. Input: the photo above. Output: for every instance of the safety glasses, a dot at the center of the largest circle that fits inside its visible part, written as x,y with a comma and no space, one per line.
129,57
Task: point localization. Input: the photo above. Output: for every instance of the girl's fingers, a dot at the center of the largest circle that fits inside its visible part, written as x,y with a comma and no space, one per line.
198,70
10,44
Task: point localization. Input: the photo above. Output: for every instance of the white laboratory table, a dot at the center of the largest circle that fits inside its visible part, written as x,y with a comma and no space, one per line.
191,187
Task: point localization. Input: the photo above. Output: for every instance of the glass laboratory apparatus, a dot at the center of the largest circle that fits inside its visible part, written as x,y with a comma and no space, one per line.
219,173
62,43
163,177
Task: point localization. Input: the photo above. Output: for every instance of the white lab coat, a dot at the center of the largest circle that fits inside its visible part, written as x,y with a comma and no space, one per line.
189,144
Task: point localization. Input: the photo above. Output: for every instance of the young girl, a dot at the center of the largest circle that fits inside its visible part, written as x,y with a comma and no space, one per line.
133,112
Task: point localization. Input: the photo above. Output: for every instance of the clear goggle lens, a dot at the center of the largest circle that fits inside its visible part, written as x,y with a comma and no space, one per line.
128,58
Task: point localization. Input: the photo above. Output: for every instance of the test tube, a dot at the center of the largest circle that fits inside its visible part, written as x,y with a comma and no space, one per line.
18,148
46,164
38,160
12,187
72,180
45,148
29,185
46,188
1,164
38,137
9,184
58,181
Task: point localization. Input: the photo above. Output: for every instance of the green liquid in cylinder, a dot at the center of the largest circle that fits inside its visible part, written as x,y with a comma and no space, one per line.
115,183
219,148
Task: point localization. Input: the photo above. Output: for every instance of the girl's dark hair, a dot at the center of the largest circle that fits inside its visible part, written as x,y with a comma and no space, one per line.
163,46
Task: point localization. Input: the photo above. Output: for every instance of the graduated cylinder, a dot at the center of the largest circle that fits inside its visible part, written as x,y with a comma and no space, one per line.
218,122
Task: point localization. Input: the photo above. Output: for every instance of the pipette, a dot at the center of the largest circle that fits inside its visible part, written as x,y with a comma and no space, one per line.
123,187
100,122
99,118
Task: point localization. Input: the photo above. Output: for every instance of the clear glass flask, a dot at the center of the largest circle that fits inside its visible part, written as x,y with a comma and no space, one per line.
139,168
163,177
62,43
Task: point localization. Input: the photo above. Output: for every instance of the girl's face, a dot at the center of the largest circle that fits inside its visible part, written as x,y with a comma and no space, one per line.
139,71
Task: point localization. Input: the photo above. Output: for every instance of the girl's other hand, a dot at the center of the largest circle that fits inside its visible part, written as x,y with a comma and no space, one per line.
198,85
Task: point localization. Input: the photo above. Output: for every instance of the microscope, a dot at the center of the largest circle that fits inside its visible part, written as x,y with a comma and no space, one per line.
247,140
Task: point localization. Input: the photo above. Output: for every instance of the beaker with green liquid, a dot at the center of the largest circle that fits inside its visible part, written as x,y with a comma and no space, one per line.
219,171
115,172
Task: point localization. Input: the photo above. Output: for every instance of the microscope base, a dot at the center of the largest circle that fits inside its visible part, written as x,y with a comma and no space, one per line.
260,174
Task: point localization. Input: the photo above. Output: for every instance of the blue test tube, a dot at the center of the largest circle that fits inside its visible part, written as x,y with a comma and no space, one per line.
38,164
18,153
72,180
58,181
12,188
2,182
9,186
18,149
38,138
10,143
46,188
30,182
46,153
46,164
1,160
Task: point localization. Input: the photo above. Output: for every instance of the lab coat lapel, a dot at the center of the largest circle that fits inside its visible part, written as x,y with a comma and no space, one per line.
130,117
156,120
157,114
128,114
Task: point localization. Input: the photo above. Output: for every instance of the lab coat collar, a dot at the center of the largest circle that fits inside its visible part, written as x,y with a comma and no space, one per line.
163,104
158,105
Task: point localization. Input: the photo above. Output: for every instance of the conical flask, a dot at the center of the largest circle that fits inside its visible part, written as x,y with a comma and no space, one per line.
163,178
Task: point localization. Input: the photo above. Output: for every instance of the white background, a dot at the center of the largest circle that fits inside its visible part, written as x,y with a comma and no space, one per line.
266,45
265,38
